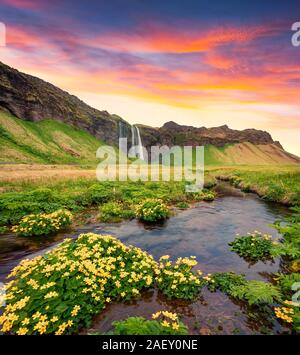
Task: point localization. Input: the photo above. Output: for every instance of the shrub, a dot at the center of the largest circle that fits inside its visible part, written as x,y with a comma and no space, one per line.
99,194
15,205
253,247
183,205
204,195
115,212
179,281
62,290
163,323
152,210
43,224
3,229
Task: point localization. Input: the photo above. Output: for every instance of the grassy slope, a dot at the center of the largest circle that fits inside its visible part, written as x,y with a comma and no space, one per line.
247,154
274,183
44,142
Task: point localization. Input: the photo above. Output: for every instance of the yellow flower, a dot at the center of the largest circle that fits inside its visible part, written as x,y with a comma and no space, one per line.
175,326
22,331
156,315
75,311
25,321
51,294
54,319
165,324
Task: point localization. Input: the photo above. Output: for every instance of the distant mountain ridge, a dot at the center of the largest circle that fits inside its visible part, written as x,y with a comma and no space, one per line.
172,133
31,99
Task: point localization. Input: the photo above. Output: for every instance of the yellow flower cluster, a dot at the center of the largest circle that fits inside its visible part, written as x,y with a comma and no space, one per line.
284,313
167,319
151,210
42,224
96,269
175,280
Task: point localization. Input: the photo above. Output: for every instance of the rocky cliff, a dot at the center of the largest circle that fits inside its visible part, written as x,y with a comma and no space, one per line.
30,98
172,133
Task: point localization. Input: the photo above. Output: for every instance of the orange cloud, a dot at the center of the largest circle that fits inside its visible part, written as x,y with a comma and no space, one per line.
155,39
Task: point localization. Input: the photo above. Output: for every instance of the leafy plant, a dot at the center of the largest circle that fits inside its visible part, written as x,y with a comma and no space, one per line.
204,195
3,229
183,205
226,281
43,224
256,292
152,210
285,282
115,212
15,205
163,323
253,247
178,280
251,291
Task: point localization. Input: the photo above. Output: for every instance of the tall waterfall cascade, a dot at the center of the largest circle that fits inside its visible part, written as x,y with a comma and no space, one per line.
136,141
137,144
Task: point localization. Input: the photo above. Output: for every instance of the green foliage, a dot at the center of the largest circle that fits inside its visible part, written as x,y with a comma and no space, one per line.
285,282
142,326
62,290
256,292
204,195
251,291
43,224
271,183
152,210
3,230
115,212
226,281
183,205
290,229
253,247
47,142
16,205
178,280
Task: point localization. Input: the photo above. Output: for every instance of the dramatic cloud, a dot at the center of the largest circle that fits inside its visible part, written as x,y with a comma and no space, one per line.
237,65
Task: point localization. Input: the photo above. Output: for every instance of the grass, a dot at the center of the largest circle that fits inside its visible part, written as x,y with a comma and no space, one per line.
45,142
273,183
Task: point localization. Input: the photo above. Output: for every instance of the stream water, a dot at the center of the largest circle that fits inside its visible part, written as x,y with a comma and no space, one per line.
204,231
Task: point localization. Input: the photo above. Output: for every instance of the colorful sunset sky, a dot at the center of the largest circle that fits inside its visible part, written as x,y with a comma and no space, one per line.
196,62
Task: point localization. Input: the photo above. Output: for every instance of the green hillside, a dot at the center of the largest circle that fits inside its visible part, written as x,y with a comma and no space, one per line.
45,142
248,154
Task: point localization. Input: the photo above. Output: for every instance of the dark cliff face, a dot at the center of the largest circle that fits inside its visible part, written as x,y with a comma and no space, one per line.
172,133
33,99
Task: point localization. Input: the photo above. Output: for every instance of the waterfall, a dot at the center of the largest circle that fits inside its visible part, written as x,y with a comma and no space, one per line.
140,144
137,144
136,141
